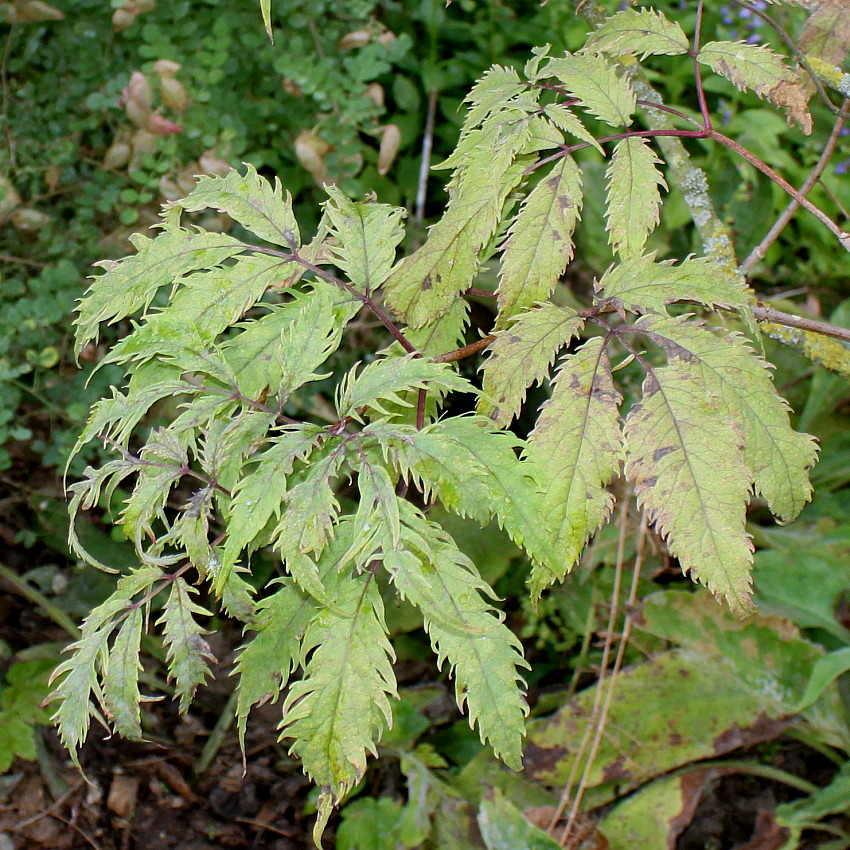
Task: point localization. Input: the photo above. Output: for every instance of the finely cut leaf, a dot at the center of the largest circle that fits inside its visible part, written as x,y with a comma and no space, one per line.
260,493
778,457
633,196
424,284
266,662
443,334
564,119
474,471
644,285
162,463
378,503
367,235
759,69
483,654
336,713
521,356
188,654
540,241
131,283
308,522
121,678
643,32
496,89
210,302
594,81
685,461
383,381
578,446
249,199
78,675
312,336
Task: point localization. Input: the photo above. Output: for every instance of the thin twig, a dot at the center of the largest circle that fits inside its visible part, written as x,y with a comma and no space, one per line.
425,164
777,317
380,315
50,610
595,715
21,825
793,205
464,351
10,258
703,104
618,664
4,82
842,235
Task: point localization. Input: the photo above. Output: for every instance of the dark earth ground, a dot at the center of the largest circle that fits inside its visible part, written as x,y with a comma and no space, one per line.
152,795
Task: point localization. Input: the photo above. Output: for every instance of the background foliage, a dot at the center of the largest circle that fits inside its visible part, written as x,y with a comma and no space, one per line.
309,106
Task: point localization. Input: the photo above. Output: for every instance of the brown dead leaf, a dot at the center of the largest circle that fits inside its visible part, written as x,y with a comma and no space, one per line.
794,98
122,795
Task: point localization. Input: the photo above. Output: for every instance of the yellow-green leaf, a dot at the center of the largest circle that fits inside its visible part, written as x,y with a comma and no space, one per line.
645,285
540,241
594,81
685,461
521,355
250,199
726,366
759,69
633,196
578,447
643,32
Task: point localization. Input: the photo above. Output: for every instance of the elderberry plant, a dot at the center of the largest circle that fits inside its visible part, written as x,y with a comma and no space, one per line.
234,329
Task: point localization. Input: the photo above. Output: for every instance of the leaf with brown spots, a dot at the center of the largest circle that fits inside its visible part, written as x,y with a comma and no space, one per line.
578,447
521,356
759,69
695,490
540,241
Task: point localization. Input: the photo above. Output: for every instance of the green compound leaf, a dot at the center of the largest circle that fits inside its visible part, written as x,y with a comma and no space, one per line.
383,381
269,658
261,491
162,463
121,677
578,446
521,355
594,81
428,569
496,89
777,456
308,522
130,284
540,241
759,69
312,336
424,284
249,199
642,32
337,712
474,471
211,301
646,285
633,198
685,462
78,675
188,654
366,235
564,119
